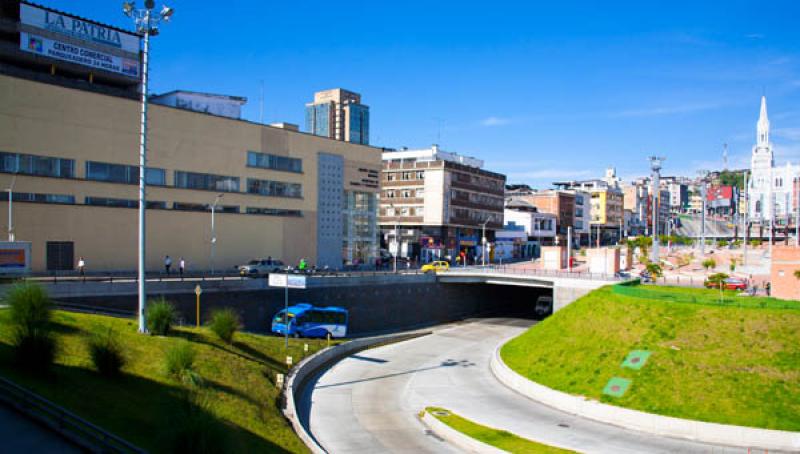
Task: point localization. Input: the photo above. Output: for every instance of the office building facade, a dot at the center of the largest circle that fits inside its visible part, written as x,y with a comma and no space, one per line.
434,204
338,114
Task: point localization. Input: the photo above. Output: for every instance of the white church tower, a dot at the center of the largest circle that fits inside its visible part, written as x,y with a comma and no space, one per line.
768,182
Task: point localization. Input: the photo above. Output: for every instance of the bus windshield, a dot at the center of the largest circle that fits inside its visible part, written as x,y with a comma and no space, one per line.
281,318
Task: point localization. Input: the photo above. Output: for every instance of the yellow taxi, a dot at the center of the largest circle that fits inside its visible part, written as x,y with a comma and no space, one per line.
435,266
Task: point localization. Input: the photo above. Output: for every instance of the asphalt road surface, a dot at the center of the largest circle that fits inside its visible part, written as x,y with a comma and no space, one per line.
368,402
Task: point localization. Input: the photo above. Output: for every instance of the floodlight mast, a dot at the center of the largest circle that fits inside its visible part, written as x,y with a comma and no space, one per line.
146,23
655,166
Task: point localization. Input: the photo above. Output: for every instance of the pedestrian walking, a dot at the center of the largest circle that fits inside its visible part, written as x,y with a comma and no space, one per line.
767,288
82,267
181,266
167,264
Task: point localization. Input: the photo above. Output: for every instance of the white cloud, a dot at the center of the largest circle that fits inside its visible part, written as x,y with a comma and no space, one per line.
495,121
659,111
755,36
787,133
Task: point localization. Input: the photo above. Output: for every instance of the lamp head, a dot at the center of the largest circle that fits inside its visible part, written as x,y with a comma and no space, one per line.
167,12
128,7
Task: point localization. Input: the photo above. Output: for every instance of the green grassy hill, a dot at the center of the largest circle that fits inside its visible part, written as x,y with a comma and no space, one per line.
145,406
709,362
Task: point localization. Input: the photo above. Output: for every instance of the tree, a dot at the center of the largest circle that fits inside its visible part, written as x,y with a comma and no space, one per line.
797,274
654,269
717,279
709,263
733,264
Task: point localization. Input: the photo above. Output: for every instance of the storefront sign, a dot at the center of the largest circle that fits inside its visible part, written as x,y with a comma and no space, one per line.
80,55
78,28
280,280
15,257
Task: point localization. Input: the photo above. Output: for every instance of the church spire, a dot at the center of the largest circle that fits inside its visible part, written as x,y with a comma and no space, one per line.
763,125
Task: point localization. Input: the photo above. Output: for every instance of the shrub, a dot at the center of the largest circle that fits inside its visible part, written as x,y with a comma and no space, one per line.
106,353
160,315
179,363
755,242
655,270
30,307
34,346
224,323
732,265
722,243
717,278
34,350
709,263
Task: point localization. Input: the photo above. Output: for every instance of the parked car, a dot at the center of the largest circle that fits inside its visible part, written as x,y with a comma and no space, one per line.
730,283
440,265
261,267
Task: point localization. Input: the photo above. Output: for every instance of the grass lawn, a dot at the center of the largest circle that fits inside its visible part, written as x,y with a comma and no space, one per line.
709,362
143,405
497,438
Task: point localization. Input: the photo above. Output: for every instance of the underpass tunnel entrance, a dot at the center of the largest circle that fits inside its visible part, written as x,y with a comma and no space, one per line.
515,301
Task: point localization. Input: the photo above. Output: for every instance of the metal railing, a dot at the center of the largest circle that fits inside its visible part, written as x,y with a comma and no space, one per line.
68,424
503,269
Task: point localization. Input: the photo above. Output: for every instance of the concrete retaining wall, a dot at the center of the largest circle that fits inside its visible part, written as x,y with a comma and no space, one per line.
457,438
300,374
747,437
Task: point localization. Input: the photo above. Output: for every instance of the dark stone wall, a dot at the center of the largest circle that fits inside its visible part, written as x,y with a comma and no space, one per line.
373,309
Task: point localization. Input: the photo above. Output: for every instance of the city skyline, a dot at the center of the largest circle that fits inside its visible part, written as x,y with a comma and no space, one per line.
609,85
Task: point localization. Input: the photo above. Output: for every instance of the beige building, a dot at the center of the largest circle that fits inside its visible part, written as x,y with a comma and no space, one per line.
71,156
439,202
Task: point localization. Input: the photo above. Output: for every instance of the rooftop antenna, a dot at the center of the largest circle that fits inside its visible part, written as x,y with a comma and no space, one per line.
725,156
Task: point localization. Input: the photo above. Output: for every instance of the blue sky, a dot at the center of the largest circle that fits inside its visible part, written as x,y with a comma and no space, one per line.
540,91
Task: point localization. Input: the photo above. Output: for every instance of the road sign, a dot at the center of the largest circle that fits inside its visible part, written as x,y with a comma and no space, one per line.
280,280
197,290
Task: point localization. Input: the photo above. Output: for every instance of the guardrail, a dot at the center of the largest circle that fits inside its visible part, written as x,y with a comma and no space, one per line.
503,269
61,420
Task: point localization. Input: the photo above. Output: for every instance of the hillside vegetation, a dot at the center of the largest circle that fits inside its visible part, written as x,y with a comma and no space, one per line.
710,361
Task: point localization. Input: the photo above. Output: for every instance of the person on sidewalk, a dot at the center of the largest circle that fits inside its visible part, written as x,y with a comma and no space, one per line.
181,266
167,264
82,268
767,288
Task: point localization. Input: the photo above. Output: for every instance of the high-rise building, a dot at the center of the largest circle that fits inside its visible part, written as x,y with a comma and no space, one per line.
338,114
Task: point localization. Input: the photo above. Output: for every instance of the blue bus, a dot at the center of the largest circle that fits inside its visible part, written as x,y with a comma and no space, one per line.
306,320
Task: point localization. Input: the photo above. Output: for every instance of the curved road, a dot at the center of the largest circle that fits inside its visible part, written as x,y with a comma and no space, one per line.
368,402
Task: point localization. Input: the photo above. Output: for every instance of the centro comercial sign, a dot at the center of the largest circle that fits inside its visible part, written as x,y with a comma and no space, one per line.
77,28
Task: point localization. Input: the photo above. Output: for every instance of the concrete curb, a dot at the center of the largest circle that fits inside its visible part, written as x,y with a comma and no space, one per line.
649,423
300,374
456,438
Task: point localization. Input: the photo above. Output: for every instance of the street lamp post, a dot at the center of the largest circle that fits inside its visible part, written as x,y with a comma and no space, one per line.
10,209
214,231
483,240
147,24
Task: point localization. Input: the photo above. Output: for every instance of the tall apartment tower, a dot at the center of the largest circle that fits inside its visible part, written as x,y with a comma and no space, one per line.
338,114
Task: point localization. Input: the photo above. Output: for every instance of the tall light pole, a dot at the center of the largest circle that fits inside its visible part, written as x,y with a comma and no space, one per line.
214,230
396,243
745,220
655,167
10,208
146,22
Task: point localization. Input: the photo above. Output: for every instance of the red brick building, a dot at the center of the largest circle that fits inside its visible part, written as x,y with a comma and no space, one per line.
785,261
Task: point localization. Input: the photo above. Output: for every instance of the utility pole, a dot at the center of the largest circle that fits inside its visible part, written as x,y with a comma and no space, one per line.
483,240
569,249
10,209
214,231
703,175
797,213
746,214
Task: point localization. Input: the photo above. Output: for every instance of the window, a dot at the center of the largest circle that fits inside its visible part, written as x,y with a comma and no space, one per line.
274,188
390,177
119,173
273,162
123,203
390,212
274,212
405,176
420,175
42,198
406,193
206,181
420,193
181,206
389,194
37,165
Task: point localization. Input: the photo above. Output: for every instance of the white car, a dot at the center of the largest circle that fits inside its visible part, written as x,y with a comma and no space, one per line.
261,267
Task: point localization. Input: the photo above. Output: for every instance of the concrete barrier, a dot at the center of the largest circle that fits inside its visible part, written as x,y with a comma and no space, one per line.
456,438
300,374
649,423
